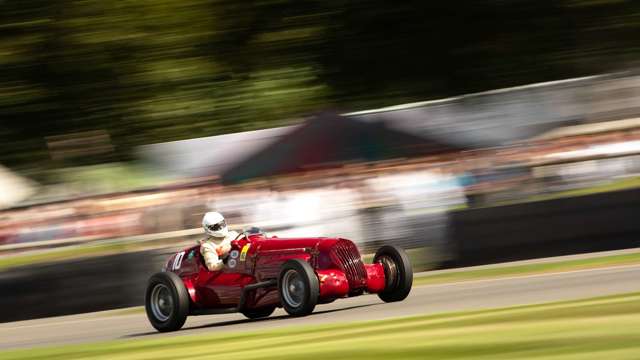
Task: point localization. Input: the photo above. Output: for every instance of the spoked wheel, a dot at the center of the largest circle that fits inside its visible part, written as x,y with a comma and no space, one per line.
166,302
397,272
298,287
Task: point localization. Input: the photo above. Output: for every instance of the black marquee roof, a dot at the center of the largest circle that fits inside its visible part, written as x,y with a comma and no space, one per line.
328,140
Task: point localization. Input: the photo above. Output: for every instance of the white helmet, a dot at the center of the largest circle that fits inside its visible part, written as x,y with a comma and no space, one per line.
214,225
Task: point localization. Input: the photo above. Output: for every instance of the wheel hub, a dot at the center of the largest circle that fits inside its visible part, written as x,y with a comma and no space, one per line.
161,302
390,271
294,288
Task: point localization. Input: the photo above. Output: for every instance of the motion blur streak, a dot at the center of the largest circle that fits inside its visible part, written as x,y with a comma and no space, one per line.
467,133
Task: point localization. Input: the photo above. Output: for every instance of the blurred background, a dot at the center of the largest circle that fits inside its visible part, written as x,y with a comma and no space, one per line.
468,132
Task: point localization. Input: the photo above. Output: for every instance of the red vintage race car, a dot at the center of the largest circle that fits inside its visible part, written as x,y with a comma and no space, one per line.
263,273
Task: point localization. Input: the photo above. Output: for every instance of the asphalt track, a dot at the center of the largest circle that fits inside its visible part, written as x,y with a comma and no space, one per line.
479,294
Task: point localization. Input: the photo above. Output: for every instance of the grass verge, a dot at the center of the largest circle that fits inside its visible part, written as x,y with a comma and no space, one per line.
606,327
84,250
65,253
529,269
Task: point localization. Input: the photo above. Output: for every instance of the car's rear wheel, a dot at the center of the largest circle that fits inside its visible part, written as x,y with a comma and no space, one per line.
259,313
298,287
397,271
166,302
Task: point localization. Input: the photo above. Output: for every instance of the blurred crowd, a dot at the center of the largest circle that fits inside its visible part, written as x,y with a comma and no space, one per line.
404,201
357,202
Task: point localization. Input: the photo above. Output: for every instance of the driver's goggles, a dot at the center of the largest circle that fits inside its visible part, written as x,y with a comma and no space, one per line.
218,226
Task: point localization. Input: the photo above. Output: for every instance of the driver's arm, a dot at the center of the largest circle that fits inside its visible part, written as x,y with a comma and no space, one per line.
211,258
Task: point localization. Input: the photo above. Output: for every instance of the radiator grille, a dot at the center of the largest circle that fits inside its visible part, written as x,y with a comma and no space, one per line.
346,255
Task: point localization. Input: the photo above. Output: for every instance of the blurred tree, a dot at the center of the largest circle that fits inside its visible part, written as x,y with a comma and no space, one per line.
421,49
156,70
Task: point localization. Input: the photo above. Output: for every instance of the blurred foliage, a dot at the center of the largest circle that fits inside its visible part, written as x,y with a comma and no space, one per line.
157,70
109,177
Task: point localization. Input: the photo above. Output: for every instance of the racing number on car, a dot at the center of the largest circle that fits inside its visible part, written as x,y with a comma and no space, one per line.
177,262
233,255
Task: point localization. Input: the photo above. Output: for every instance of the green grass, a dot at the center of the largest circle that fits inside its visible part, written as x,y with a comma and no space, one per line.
61,254
80,251
599,328
529,269
615,185
108,177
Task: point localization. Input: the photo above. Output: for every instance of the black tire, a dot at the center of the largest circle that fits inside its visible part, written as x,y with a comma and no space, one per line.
168,286
302,299
398,273
259,313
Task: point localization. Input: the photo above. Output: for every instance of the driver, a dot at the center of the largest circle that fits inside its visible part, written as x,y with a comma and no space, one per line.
217,244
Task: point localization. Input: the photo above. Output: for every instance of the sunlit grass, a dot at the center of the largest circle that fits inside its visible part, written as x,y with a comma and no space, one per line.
529,269
614,185
62,254
607,327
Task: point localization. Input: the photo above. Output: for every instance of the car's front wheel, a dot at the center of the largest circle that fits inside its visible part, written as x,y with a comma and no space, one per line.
397,272
166,302
298,287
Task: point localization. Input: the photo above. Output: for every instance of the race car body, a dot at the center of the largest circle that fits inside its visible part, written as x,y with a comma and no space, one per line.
262,273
